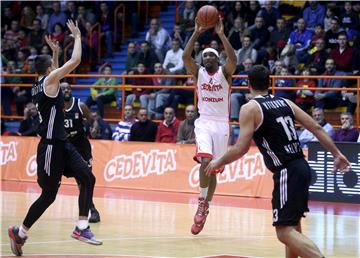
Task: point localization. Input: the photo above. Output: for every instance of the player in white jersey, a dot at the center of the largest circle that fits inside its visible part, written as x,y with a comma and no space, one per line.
212,127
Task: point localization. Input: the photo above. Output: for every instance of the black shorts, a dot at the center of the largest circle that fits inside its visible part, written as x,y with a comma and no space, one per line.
75,164
50,163
291,193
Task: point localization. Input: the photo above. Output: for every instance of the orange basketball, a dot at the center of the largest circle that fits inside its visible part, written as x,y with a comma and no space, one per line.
208,16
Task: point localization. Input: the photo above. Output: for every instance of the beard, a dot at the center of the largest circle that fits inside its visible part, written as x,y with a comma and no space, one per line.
67,97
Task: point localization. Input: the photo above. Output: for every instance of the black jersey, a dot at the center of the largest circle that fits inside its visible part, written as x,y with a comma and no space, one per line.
74,120
51,114
276,136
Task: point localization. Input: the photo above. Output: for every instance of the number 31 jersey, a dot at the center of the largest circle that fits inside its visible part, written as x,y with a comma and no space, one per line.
276,135
74,120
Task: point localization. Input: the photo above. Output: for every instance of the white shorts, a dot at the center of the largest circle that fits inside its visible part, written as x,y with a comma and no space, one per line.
211,138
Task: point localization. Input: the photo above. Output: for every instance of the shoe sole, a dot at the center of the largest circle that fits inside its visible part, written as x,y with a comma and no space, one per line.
86,240
14,248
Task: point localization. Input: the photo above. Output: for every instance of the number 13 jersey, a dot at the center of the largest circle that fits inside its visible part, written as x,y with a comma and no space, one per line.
276,135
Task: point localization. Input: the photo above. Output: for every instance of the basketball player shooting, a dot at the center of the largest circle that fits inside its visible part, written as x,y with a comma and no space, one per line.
212,127
269,121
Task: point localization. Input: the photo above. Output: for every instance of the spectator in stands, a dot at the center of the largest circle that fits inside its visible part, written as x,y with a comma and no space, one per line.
58,34
240,97
236,33
173,63
259,34
187,18
347,132
147,56
330,13
285,82
329,99
159,39
90,43
122,130
159,96
132,57
238,11
317,56
27,17
278,65
107,27
56,17
319,33
97,127
137,92
348,18
304,97
85,16
314,14
143,130
197,53
343,54
167,130
101,96
306,136
179,34
186,134
43,17
30,122
252,12
269,14
331,36
6,18
349,98
300,39
36,35
247,51
10,41
71,11
279,36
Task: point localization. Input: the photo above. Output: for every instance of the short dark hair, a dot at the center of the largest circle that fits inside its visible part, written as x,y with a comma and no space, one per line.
259,77
42,63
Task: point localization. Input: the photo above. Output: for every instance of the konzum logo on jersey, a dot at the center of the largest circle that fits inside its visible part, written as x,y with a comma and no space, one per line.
329,186
7,152
140,164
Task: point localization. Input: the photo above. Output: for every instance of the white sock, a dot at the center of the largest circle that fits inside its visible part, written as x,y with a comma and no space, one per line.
203,192
22,232
82,224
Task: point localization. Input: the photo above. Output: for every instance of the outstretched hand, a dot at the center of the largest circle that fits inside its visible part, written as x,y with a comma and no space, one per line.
198,27
219,27
53,44
74,28
341,164
213,167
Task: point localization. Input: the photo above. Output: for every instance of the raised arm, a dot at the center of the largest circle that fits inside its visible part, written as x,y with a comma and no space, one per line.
340,161
189,62
52,80
230,65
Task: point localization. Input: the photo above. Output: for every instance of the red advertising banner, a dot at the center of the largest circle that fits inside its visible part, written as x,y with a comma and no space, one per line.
152,166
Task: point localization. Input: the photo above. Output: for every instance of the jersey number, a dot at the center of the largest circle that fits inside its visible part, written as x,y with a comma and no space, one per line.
288,125
68,123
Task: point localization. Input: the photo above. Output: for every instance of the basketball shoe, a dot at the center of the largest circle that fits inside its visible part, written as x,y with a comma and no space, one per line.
16,242
85,235
200,216
94,216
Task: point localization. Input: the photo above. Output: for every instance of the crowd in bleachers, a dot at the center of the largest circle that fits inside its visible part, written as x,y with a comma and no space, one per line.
317,38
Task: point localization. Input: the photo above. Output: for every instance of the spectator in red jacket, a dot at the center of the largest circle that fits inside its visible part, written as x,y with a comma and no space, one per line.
343,54
168,129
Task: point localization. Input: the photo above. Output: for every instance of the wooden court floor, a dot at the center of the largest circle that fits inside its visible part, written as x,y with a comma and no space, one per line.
157,224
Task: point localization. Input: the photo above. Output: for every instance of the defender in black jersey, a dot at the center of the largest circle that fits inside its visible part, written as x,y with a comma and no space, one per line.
54,151
270,122
75,114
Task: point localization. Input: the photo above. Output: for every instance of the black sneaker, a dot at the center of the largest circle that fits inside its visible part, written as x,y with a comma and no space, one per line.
94,216
16,242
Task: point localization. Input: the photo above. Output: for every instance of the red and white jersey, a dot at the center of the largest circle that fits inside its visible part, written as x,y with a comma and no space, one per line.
213,95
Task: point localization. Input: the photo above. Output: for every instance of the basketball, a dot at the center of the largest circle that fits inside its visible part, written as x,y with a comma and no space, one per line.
350,179
208,16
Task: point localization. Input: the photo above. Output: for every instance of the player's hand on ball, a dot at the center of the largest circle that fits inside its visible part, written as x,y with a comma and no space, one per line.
198,27
74,29
341,164
219,28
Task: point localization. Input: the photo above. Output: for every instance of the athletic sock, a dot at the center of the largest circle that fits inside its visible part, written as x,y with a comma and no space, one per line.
203,192
82,224
22,232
